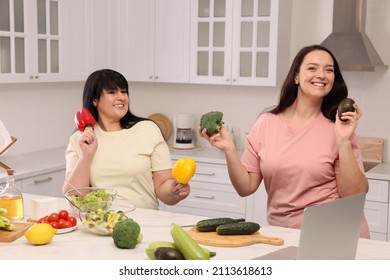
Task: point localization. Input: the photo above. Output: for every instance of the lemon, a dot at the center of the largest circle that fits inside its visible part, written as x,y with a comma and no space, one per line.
40,234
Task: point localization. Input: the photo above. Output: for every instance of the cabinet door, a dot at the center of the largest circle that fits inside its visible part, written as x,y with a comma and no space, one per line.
105,34
211,38
30,41
255,30
139,40
172,41
234,42
157,40
77,62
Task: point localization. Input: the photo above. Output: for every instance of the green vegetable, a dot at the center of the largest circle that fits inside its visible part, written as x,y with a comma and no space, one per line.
243,228
157,244
212,121
212,224
4,221
102,197
168,253
187,245
126,234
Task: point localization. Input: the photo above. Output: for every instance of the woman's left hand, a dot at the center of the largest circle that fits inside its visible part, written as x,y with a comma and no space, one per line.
345,129
180,191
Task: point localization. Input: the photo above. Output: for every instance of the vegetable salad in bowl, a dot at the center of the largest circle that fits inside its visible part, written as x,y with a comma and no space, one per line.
94,198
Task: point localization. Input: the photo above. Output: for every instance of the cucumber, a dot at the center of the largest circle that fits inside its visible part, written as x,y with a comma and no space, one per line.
187,245
243,228
212,224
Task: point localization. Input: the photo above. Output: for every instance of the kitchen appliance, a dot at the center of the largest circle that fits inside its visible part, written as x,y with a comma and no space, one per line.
184,131
349,41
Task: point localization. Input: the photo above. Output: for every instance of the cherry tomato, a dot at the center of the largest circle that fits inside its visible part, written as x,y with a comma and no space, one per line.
63,214
72,219
55,225
67,224
61,222
41,220
53,217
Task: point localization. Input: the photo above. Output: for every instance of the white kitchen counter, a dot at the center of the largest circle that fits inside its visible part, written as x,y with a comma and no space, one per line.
34,163
379,172
155,226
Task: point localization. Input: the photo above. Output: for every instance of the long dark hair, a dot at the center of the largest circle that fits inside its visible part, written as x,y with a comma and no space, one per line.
109,80
289,90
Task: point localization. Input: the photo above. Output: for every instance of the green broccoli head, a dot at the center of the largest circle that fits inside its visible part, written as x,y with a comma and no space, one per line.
126,234
212,121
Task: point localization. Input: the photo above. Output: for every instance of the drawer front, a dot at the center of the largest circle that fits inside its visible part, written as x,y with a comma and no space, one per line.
214,173
45,184
376,214
207,196
378,191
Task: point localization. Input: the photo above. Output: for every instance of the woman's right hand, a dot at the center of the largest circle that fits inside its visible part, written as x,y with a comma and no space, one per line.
88,141
221,140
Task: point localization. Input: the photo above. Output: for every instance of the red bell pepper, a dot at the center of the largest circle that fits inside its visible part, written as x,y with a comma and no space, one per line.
84,118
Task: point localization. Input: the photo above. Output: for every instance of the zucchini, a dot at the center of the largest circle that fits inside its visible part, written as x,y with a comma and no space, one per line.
155,245
212,224
243,228
168,253
187,245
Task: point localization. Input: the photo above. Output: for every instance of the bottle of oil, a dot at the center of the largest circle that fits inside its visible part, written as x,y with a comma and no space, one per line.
11,198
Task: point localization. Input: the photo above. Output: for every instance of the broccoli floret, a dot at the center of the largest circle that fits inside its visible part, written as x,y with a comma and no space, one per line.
212,121
126,234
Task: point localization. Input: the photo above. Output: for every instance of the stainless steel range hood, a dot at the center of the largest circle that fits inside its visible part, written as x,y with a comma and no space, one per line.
349,41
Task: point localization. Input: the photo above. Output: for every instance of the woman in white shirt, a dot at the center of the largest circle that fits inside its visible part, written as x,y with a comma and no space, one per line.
122,152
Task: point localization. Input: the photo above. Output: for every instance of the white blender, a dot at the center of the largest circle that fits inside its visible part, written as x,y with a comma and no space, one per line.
184,132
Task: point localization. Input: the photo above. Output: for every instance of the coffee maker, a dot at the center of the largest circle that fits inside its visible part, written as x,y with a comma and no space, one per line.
184,131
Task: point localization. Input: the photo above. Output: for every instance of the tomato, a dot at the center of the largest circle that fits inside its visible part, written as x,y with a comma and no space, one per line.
61,222
55,225
63,214
67,224
72,219
53,217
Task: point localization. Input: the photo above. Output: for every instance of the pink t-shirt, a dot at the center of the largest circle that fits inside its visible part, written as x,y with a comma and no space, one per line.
299,166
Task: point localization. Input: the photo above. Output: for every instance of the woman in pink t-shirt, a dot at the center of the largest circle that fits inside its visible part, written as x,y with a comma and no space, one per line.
303,152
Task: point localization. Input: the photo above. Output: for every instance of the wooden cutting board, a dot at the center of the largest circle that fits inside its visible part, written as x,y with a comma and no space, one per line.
371,149
9,236
214,239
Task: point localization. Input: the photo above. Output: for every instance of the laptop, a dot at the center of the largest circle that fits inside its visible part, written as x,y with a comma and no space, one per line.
329,231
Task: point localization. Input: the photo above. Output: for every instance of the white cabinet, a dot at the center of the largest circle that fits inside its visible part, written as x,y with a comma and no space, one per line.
211,194
234,42
377,209
31,43
49,184
256,210
156,40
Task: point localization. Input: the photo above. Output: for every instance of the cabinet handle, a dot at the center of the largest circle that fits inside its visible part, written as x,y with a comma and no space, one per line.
150,77
205,173
42,180
156,78
204,196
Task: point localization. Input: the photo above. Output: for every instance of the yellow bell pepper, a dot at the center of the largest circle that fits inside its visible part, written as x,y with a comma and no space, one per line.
184,170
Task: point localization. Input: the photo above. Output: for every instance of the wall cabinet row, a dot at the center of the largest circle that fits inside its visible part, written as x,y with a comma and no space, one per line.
179,41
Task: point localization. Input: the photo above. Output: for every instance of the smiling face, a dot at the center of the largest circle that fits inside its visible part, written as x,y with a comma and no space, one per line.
112,105
316,74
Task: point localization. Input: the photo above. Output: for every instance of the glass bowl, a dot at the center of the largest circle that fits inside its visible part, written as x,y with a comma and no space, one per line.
82,196
102,221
